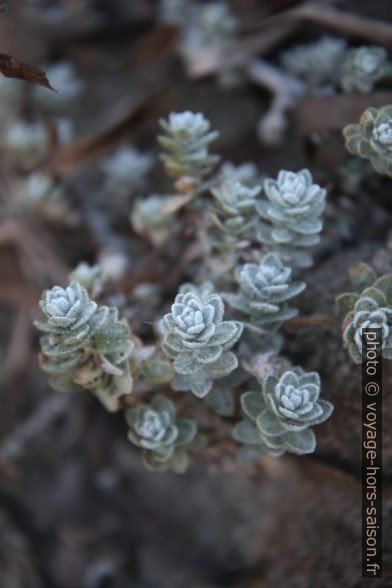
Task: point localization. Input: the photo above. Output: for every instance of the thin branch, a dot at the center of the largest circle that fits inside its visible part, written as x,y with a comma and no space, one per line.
215,59
376,31
286,90
314,320
47,412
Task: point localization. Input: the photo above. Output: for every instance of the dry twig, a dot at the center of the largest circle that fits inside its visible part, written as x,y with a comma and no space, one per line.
286,92
48,411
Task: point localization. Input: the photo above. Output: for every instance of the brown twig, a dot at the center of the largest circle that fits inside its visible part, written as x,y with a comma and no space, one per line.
302,322
49,410
214,59
19,347
286,92
352,24
67,159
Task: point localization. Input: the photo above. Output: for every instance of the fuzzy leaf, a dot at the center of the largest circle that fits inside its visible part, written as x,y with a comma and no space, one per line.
269,424
108,338
252,404
301,443
208,354
186,364
224,365
221,400
246,432
186,431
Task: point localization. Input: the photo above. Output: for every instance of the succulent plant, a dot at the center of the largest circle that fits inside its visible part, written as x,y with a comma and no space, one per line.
148,213
372,138
319,60
294,400
197,338
369,309
233,210
264,290
362,67
293,212
162,436
211,25
153,216
67,311
84,346
24,139
279,418
89,276
41,187
126,168
174,12
186,138
246,173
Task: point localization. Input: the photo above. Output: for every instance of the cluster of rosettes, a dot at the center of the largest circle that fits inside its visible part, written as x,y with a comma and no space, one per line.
126,168
85,346
162,436
369,309
233,210
372,138
362,67
293,212
148,214
319,60
264,291
246,173
198,339
89,276
211,25
186,141
279,418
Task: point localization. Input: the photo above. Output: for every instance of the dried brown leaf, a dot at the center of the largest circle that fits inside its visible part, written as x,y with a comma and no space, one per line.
14,68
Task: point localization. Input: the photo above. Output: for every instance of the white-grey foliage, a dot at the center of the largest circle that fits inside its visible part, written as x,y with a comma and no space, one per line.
264,289
210,24
319,60
186,140
126,167
362,67
292,210
279,418
29,141
24,138
41,187
372,138
233,211
162,436
174,12
246,173
89,276
148,213
371,311
85,345
198,340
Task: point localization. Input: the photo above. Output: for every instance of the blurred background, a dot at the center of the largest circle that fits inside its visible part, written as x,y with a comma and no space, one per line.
77,508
